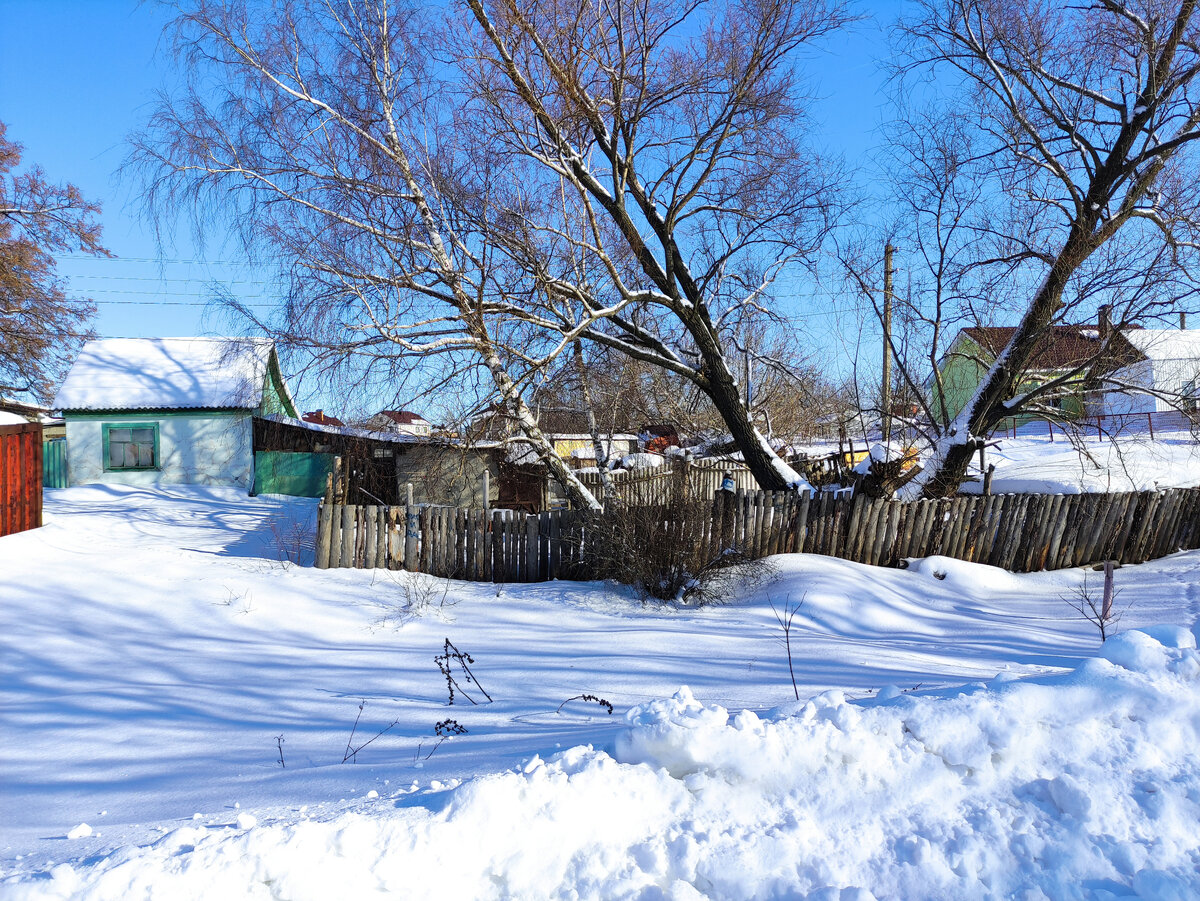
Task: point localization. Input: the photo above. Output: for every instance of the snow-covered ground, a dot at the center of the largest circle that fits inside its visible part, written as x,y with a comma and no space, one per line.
961,733
1129,462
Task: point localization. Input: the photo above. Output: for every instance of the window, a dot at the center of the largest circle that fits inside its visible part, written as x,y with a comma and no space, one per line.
132,446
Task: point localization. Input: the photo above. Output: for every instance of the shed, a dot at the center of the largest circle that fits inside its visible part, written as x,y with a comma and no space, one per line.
154,411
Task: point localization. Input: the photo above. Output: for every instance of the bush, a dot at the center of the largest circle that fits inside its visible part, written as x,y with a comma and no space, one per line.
666,550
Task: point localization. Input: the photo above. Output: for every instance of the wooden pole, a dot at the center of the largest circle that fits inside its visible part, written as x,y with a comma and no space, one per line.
886,393
324,532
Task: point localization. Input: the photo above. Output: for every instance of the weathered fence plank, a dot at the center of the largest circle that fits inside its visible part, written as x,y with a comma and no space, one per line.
1021,533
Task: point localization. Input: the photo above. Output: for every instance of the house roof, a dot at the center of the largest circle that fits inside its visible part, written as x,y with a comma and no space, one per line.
1061,347
168,374
320,417
403,417
1167,345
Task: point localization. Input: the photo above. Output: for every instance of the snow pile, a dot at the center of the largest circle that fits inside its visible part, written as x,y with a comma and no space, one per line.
1038,464
642,461
1084,785
180,643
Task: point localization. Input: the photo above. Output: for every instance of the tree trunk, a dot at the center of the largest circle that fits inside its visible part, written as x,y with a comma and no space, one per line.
986,409
767,467
577,494
606,485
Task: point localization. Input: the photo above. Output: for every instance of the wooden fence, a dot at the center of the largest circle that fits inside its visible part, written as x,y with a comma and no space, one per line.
1017,532
703,478
20,478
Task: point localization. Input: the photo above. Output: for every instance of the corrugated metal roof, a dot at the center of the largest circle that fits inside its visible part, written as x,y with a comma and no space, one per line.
167,374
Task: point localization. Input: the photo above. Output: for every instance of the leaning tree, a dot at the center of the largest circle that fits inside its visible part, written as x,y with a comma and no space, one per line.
1067,181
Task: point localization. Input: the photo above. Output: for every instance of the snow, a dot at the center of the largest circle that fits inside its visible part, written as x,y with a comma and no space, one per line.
7,418
642,461
959,733
1128,462
167,373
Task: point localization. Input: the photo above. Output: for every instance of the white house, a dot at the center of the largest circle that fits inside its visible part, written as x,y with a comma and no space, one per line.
399,422
1167,377
148,411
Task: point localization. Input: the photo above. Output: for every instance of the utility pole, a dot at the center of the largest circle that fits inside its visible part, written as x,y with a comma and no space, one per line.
886,394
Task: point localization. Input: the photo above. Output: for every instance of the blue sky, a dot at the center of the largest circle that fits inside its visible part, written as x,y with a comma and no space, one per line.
77,76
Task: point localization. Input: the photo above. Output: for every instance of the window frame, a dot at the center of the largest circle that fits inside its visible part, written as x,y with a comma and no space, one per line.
106,429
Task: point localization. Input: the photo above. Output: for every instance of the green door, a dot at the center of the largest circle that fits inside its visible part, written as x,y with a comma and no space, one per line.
294,474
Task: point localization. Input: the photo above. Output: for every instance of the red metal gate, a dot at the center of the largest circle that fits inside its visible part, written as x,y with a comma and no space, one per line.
20,477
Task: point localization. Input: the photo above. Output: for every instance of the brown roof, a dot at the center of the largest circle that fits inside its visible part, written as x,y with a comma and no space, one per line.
1062,347
319,417
402,417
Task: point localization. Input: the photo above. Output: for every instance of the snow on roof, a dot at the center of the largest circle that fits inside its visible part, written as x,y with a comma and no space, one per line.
167,373
350,431
1166,344
404,417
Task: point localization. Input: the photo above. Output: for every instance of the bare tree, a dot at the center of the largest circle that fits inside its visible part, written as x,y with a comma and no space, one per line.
668,138
630,175
1080,121
315,128
41,326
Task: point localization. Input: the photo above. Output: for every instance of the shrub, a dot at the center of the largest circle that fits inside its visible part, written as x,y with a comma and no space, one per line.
666,550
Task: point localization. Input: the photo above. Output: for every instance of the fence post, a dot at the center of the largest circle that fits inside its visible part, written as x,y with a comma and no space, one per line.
324,521
533,556
347,536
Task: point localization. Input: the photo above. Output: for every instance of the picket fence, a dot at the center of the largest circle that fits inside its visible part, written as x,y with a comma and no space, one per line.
703,479
1017,532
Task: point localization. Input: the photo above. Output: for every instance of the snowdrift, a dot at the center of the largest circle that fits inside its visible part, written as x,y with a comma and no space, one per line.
1083,785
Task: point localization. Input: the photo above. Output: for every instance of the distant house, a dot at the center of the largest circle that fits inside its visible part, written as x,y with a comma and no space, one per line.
399,422
319,417
52,427
571,436
1062,350
1166,377
148,411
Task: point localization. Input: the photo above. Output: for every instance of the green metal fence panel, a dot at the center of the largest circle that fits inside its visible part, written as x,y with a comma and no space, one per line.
54,463
295,474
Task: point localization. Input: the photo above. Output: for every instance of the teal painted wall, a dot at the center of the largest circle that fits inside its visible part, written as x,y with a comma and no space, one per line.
294,474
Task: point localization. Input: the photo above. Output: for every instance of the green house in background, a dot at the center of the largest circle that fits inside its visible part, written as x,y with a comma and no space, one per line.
1064,349
158,411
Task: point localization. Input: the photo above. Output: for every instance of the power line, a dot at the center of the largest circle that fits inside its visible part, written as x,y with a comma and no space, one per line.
148,278
179,303
155,293
96,259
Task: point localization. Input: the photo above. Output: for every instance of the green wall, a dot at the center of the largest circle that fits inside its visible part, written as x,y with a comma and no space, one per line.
961,375
294,474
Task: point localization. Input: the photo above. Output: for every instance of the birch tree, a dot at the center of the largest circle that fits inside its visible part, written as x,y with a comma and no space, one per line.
322,132
494,186
1087,119
670,137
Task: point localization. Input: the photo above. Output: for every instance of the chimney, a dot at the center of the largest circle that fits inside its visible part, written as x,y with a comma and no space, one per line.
1183,320
1104,315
